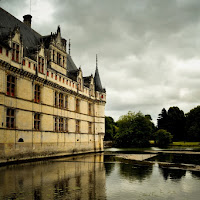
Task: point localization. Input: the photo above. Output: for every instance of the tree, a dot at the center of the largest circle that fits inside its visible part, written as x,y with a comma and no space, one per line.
176,123
193,124
173,121
163,119
162,137
110,128
134,129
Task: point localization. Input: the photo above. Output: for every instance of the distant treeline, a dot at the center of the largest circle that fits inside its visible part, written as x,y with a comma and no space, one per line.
136,129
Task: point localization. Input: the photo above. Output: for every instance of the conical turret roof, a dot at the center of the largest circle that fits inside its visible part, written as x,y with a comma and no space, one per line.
97,81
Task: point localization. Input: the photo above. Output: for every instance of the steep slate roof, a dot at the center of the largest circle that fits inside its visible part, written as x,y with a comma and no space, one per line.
70,64
9,22
97,81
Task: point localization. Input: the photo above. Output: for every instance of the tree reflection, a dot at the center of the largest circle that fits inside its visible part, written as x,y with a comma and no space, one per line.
135,172
196,174
173,174
109,167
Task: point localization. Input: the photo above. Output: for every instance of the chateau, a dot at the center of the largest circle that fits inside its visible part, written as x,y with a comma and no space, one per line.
47,107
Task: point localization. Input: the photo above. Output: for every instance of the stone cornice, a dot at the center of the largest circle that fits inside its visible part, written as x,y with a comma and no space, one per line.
45,81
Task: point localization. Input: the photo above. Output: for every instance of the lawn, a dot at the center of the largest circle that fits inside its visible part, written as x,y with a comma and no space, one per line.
180,143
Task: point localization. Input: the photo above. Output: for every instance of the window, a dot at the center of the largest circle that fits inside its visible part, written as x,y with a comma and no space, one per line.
61,124
29,64
1,49
63,80
53,56
7,52
56,99
89,109
58,59
23,62
66,102
79,84
89,127
55,124
10,118
66,125
37,121
10,85
41,65
37,93
47,73
61,100
77,105
51,75
34,66
60,78
77,126
15,52
63,61
55,77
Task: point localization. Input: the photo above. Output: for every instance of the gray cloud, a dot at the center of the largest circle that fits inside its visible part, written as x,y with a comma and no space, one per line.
148,50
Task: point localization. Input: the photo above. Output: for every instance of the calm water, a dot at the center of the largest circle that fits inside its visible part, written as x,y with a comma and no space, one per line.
92,177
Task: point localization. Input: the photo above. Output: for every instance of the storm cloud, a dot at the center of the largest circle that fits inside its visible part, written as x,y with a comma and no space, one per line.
148,50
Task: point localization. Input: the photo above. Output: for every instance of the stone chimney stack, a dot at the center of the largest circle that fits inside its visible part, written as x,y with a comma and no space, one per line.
27,20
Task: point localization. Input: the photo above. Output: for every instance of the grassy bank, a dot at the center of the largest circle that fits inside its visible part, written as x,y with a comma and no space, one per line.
181,143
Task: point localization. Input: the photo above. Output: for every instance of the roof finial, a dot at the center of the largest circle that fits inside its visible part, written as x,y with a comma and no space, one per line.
96,61
69,46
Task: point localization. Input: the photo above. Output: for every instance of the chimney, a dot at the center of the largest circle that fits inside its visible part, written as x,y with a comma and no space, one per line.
27,20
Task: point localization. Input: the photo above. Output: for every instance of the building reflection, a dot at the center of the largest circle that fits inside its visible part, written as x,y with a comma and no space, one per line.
80,177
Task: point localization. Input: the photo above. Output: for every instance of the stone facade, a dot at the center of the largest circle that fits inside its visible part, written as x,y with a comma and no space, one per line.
47,107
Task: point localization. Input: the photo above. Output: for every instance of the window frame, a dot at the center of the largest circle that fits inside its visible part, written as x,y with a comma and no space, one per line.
61,124
77,126
15,52
37,121
77,105
11,85
61,100
10,118
37,93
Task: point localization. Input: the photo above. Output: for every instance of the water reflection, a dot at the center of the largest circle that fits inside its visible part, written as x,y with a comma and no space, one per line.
80,178
135,172
89,177
173,174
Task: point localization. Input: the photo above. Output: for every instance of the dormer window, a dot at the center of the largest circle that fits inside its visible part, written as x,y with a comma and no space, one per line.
53,56
41,64
15,52
79,84
63,61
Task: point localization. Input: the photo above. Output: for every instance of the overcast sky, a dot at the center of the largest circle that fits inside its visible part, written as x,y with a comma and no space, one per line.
149,50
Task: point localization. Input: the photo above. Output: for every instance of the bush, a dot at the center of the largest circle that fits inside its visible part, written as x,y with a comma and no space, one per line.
162,137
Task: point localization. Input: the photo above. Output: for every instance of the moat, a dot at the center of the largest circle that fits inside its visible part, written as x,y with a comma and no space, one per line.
100,176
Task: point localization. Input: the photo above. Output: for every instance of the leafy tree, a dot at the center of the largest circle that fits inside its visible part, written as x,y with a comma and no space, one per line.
173,121
110,128
134,129
193,124
152,124
176,123
162,137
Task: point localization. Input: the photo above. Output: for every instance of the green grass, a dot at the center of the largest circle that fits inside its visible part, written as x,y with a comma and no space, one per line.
180,143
